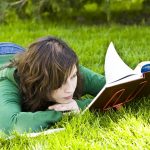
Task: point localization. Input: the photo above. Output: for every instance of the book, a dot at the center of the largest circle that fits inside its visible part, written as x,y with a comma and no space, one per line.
123,84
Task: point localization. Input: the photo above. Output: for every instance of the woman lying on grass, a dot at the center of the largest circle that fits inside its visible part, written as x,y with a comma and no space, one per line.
41,83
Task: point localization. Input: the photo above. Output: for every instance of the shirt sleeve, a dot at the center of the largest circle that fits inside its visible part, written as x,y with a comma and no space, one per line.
83,103
92,82
11,117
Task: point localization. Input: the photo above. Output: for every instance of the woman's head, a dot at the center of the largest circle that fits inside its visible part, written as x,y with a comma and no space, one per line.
47,69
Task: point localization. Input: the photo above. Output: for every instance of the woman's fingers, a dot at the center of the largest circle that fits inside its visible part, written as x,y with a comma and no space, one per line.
65,107
59,107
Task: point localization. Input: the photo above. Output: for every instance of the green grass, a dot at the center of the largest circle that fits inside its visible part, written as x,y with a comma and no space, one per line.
128,128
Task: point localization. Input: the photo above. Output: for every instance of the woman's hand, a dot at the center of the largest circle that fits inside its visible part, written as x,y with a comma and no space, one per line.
70,106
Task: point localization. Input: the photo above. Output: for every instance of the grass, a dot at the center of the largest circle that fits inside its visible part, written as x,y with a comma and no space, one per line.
128,128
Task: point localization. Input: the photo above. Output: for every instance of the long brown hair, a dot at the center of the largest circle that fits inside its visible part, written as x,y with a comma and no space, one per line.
44,67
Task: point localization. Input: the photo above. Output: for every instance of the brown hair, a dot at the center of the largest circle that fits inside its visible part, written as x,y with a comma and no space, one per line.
44,67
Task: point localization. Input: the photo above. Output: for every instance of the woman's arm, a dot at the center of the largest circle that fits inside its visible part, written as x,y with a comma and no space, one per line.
92,82
11,117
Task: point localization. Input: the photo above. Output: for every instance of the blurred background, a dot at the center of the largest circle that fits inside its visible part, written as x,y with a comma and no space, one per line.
82,11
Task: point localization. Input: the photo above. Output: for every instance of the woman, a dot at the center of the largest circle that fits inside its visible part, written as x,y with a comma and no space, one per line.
41,83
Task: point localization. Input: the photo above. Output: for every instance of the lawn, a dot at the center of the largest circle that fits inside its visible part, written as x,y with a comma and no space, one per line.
128,128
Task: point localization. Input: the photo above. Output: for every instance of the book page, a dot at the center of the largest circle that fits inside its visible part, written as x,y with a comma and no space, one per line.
140,65
129,78
115,68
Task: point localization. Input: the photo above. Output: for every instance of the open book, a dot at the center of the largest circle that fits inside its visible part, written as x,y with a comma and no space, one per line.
122,83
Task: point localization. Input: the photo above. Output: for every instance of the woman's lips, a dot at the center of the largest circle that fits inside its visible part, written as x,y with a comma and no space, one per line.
68,97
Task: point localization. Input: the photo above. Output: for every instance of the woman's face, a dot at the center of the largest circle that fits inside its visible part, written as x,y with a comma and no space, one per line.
64,94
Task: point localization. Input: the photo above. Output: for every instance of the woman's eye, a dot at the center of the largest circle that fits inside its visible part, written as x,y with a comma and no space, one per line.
74,75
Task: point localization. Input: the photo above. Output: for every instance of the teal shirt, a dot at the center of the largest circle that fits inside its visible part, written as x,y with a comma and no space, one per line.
11,116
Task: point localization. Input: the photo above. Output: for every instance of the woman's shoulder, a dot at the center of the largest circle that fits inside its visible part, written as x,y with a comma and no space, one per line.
7,73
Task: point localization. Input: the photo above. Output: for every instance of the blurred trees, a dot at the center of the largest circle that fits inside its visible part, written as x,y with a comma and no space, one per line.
103,10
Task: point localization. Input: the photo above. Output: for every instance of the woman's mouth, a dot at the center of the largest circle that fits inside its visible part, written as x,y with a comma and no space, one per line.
68,97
